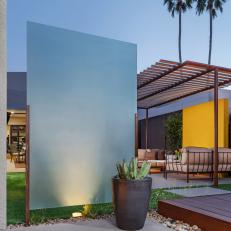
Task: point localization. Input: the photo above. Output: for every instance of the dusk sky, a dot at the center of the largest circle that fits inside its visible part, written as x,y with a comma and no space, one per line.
144,22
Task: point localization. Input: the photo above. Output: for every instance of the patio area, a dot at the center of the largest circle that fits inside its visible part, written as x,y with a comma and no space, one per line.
15,167
166,82
202,157
178,180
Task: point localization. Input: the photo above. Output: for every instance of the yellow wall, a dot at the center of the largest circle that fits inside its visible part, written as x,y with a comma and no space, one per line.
198,124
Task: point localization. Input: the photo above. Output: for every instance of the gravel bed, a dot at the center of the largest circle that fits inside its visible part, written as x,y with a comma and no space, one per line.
167,222
172,224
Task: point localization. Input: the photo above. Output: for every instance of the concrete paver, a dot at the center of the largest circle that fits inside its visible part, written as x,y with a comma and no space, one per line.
194,192
179,180
91,225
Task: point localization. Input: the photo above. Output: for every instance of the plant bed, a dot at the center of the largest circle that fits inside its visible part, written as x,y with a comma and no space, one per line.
16,204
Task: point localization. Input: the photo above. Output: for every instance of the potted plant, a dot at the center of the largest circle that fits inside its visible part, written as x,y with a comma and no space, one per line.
131,194
178,154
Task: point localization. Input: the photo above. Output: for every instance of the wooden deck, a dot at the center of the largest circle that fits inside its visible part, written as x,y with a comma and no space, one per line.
210,213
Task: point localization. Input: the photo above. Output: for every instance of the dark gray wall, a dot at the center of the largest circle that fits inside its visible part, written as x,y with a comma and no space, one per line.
156,132
16,90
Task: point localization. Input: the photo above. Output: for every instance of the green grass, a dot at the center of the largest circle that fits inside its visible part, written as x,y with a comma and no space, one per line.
42,215
225,187
160,194
16,203
15,198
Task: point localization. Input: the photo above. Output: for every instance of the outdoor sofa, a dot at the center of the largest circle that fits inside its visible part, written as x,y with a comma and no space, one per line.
154,156
194,160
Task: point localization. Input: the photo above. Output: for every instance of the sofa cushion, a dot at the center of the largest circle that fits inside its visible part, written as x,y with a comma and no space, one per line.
196,149
196,155
153,164
170,157
141,154
224,149
161,154
151,154
192,168
224,155
224,167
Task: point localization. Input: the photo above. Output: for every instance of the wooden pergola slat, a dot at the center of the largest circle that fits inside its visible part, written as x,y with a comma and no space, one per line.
200,75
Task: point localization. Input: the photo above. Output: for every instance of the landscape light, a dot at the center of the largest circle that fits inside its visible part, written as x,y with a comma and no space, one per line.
76,214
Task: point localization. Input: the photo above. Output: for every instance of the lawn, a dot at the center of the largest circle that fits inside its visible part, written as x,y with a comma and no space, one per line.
16,204
225,187
15,198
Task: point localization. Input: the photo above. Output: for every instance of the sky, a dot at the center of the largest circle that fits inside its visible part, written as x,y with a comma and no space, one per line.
146,23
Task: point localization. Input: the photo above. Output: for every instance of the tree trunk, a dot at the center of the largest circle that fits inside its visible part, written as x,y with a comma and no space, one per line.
210,36
2,114
179,38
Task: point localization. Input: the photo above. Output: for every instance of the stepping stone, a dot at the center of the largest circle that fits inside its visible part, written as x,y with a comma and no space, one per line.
194,192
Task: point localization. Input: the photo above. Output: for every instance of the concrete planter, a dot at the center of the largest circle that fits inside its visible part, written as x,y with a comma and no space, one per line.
131,201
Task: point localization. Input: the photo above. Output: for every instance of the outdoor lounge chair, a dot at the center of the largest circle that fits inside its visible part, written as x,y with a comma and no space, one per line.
154,156
198,160
224,157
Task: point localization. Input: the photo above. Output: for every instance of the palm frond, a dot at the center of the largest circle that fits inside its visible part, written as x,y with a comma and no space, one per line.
170,5
214,6
218,5
214,13
176,6
189,3
200,6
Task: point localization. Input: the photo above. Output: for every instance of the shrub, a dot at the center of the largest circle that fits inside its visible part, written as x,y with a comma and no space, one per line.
174,132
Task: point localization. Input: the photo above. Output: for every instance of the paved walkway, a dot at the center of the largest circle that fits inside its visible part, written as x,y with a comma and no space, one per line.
174,180
91,225
194,192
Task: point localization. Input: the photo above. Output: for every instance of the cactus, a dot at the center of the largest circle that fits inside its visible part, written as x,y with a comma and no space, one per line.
144,170
122,170
130,171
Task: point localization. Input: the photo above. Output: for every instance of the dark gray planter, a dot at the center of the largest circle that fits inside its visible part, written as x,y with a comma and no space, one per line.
131,201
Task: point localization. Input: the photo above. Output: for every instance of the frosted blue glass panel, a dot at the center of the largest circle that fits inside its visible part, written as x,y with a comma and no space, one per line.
82,93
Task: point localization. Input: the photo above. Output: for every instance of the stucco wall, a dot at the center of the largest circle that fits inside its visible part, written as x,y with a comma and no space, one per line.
2,114
82,95
198,125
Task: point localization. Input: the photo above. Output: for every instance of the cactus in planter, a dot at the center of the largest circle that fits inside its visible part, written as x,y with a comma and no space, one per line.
131,186
130,171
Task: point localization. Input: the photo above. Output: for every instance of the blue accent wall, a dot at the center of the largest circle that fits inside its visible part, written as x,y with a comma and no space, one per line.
82,93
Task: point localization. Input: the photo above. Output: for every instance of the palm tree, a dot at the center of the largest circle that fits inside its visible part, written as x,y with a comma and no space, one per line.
179,7
212,6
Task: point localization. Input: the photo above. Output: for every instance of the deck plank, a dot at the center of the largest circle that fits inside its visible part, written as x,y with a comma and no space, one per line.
206,206
210,213
216,203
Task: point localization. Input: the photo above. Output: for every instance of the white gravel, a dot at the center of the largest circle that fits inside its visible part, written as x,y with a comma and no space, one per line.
154,222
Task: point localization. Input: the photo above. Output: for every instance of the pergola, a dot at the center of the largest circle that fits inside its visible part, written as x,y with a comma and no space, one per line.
168,81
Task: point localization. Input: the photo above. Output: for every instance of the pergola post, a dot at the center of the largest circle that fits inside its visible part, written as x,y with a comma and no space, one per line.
3,114
136,135
27,207
146,129
215,128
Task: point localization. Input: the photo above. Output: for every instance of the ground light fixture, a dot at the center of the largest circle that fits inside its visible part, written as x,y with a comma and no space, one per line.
76,214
